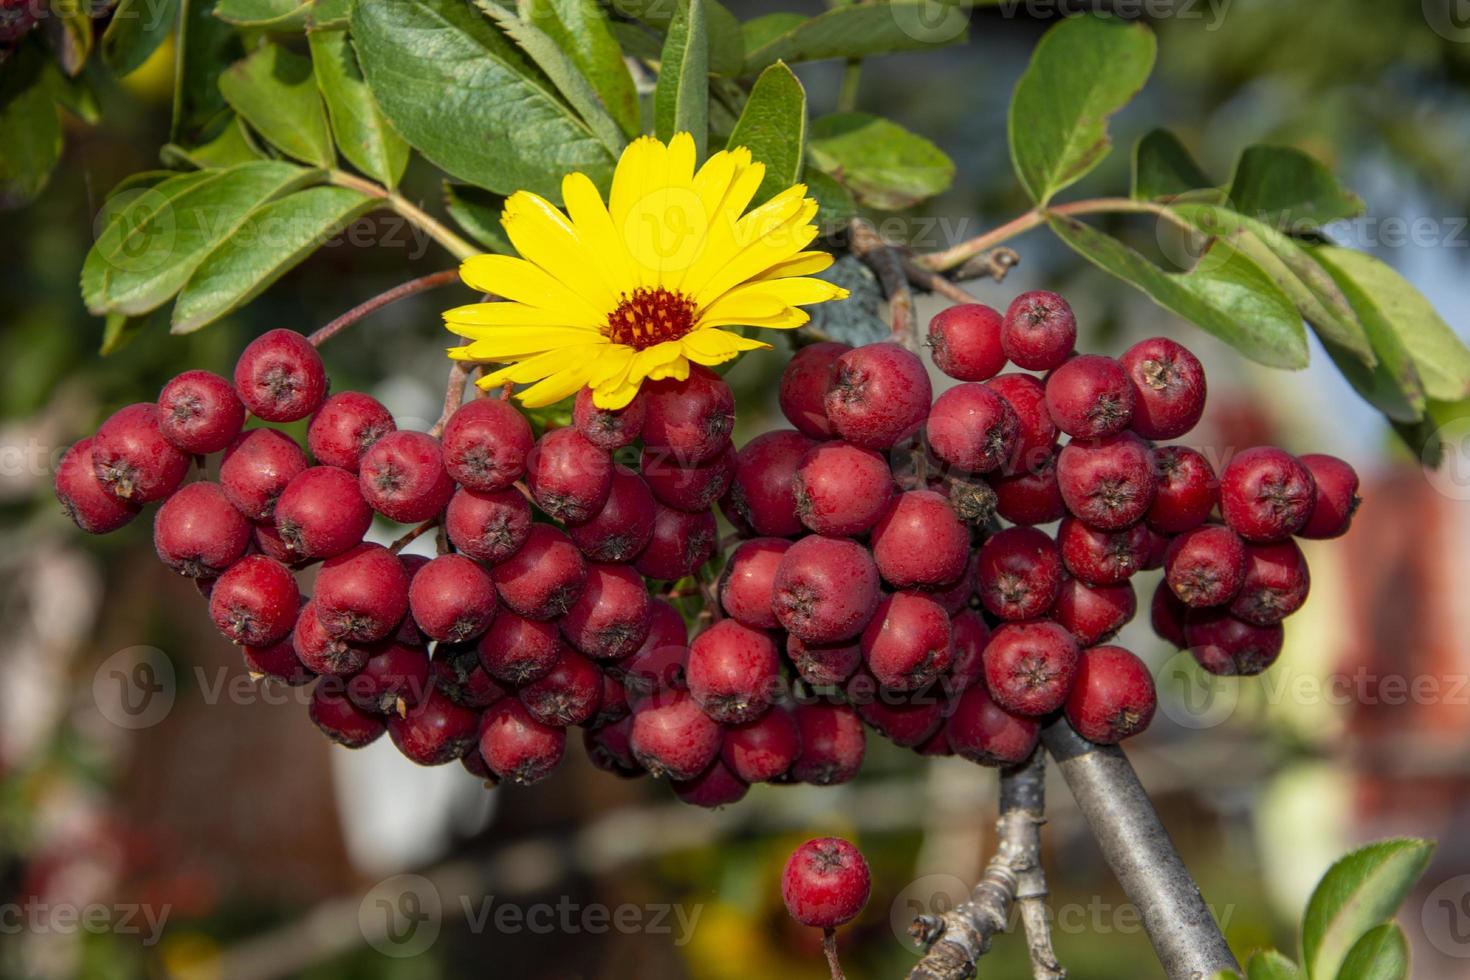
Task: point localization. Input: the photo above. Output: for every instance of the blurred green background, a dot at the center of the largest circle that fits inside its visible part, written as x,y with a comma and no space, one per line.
267,853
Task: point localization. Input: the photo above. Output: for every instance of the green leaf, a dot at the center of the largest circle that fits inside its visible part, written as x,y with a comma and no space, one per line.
30,126
1083,70
206,46
581,29
119,330
681,100
1289,189
773,127
158,236
1267,964
68,26
856,30
362,134
563,72
233,145
835,206
1440,357
273,90
1163,168
477,211
136,30
329,14
275,15
726,42
273,240
1382,954
463,96
883,164
1356,894
1226,294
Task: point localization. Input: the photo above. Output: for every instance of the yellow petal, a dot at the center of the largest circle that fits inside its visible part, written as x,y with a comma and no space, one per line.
742,303
596,232
642,157
544,365
504,315
678,370
757,257
717,346
506,343
522,282
543,235
554,388
800,264
645,362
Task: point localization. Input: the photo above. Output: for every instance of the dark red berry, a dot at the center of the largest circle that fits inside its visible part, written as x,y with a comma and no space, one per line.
1114,696
132,460
762,496
1225,645
516,650
826,589
879,395
624,526
920,541
608,748
1093,613
1029,667
568,476
1090,397
761,750
341,720
278,660
485,445
436,731
1103,557
256,468
568,694
83,497
964,341
971,636
982,731
362,594
1030,496
826,883
732,672
841,489
346,426
832,744
973,428
516,746
1276,583
612,616
690,420
615,704
907,643
280,377
608,428
672,737
659,662
1019,574
255,601
1336,499
488,526
905,718
1206,566
824,664
957,595
394,678
804,386
681,542
717,786
543,578
321,513
457,672
1039,331
320,651
1109,483
692,487
1166,615
199,412
1187,490
1266,494
452,599
1036,433
403,477
1168,386
197,533
747,587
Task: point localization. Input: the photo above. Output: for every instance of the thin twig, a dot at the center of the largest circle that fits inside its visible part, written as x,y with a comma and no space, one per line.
887,265
432,226
422,284
413,535
1027,788
995,264
934,282
829,949
459,376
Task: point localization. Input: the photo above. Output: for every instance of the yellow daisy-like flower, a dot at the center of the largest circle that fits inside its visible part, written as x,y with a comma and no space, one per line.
608,296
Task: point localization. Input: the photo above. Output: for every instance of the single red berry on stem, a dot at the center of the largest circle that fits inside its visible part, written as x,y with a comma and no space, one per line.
489,525
691,419
1039,330
132,460
826,883
920,541
1336,499
1030,667
1229,646
321,513
199,412
982,731
612,616
516,746
762,495
658,663
321,652
1276,583
568,694
256,468
717,786
825,589
804,384
362,594
1206,566
1168,385
1036,433
82,496
672,737
452,599
198,533
543,578
764,749
691,487
964,341
1266,494
1187,490
1019,574
280,377
681,542
342,721
485,445
255,602
841,489
436,731
732,672
346,426
1030,496
1103,557
624,525
1113,697
1093,613
569,476
747,586
608,428
403,477
973,428
516,650
1090,397
879,395
1108,484
907,643
832,744
824,664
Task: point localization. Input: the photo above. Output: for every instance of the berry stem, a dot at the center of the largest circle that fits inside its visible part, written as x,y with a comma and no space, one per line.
414,286
829,948
887,265
435,229
459,375
413,534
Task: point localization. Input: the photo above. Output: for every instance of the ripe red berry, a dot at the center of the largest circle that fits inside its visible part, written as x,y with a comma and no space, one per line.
199,412
1168,386
1336,499
624,525
691,419
964,341
255,601
1109,483
804,386
1090,397
1019,574
691,487
516,650
132,460
672,737
362,594
920,541
762,750
321,513
973,428
268,542
197,533
826,883
982,731
568,694
1039,331
342,721
905,718
320,651
615,704
457,672
347,425
907,643
1036,433
83,497
278,660
1206,566
608,428
681,542
879,396
403,477
436,731
516,746
1266,494
1029,667
1229,646
832,744
957,595
826,589
762,496
1114,696
256,468
1093,613
393,678
485,445
1030,496
1276,583
717,786
971,635
488,526
543,578
569,477
659,662
612,616
1166,615
1103,557
608,748
841,489
747,587
824,664
732,672
280,377
452,599
1187,490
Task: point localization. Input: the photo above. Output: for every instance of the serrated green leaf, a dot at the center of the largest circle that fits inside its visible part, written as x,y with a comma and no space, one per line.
477,211
1083,70
233,145
581,29
762,30
68,26
157,237
773,127
1226,294
1267,964
681,99
206,46
30,126
275,15
274,91
362,134
883,164
119,330
835,206
1163,168
136,30
562,71
856,30
1382,954
1287,188
464,97
1356,894
726,42
1440,357
271,242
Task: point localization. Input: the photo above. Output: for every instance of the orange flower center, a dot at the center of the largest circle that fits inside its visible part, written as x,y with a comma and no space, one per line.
649,317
